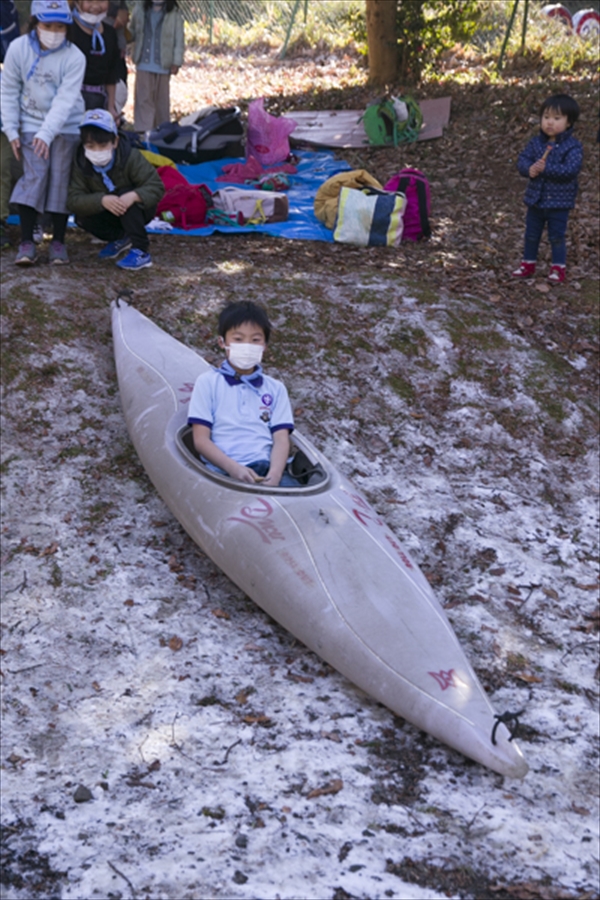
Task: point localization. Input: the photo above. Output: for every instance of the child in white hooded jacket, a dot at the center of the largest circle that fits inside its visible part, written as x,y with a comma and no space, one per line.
42,109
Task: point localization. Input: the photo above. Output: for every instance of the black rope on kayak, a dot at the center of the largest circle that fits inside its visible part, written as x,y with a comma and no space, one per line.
124,294
507,718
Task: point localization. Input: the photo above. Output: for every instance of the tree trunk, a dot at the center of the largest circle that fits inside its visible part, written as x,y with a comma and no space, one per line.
382,42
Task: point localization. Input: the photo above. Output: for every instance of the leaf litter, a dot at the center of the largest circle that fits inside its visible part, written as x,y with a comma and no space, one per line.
214,755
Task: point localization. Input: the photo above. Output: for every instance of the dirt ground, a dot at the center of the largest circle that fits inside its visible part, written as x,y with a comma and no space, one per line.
164,738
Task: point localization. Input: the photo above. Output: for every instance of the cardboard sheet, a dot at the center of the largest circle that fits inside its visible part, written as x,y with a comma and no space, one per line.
344,128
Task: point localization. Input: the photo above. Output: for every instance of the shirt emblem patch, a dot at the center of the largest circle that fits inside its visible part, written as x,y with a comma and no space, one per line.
267,399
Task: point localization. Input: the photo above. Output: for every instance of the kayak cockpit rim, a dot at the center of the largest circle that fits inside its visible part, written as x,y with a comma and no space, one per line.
310,471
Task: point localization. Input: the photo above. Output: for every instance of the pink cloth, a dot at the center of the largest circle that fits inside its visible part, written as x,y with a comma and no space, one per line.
239,173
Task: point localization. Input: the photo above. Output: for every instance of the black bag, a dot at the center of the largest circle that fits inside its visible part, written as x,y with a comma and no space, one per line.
215,135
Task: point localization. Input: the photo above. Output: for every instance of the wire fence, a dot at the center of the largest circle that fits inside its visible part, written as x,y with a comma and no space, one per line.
286,19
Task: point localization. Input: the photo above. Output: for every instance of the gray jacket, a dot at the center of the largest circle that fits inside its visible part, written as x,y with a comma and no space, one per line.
171,37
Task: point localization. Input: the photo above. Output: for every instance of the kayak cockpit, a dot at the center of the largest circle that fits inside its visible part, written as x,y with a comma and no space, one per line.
310,472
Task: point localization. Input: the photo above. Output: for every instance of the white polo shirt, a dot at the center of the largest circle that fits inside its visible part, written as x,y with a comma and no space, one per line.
242,412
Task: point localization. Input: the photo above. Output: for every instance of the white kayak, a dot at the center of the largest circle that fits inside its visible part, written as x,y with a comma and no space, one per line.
317,558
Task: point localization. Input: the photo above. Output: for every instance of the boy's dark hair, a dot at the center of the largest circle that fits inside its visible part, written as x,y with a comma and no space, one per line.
93,134
235,314
169,5
34,22
564,104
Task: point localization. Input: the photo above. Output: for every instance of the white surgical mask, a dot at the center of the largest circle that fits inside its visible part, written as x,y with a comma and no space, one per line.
51,40
99,157
90,18
245,356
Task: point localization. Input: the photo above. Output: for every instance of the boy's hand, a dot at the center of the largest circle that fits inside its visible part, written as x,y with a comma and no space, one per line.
16,147
243,473
129,199
272,479
114,204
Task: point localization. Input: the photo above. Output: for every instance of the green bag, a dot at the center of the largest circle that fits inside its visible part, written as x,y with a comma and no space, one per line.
383,127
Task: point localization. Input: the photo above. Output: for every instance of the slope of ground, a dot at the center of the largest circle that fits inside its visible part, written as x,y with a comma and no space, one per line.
162,737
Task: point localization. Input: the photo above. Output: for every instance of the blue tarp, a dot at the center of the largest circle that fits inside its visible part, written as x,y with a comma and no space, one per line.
302,224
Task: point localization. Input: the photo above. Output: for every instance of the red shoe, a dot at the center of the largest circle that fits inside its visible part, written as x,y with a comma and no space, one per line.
557,274
525,270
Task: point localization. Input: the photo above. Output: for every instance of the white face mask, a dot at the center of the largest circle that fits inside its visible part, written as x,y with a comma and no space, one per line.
99,157
91,19
50,40
245,356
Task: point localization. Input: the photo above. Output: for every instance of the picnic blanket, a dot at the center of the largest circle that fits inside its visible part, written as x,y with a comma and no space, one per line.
302,224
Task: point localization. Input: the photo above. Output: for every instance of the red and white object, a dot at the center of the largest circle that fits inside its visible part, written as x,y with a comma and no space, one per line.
586,23
558,11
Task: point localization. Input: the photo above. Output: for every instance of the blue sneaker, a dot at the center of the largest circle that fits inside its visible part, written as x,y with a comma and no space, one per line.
115,248
135,259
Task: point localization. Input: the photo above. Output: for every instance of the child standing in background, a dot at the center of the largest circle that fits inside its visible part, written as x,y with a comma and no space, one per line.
98,42
42,108
156,28
552,162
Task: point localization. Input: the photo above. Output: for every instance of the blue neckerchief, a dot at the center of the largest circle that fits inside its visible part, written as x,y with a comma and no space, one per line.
104,170
232,377
98,45
35,43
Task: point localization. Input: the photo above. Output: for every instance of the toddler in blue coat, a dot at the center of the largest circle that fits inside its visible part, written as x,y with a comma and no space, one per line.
552,162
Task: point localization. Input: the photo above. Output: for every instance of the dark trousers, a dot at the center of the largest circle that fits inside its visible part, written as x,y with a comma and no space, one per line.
557,228
132,224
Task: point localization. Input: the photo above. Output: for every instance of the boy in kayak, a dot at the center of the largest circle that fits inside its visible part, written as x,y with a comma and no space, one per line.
241,418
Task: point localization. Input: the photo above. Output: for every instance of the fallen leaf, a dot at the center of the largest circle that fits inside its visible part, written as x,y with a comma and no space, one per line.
175,643
96,686
580,810
530,679
333,787
257,720
220,614
303,679
48,551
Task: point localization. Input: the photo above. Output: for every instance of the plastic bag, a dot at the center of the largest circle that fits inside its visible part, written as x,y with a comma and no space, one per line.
268,136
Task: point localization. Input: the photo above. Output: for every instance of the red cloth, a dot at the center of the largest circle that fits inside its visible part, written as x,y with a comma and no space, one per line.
187,203
239,173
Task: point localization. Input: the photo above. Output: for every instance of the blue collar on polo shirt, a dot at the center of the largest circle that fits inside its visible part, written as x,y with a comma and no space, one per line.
232,377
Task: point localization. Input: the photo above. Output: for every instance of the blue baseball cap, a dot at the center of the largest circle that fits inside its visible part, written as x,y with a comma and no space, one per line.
52,11
100,118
